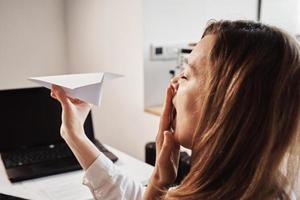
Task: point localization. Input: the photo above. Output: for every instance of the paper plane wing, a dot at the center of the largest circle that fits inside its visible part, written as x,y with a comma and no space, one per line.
86,87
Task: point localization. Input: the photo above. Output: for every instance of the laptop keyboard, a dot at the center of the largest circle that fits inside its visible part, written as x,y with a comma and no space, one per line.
46,153
37,155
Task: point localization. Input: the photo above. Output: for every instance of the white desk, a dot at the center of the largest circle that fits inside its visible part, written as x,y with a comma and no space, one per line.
68,186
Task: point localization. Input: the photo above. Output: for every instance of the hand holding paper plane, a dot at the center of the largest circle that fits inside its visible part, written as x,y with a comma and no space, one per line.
86,87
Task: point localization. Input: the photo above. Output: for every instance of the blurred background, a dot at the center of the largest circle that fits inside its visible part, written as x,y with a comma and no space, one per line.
144,40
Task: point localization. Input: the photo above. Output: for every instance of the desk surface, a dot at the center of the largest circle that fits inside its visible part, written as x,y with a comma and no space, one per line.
68,186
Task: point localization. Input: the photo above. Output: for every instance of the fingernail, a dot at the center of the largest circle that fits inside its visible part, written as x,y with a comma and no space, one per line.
167,132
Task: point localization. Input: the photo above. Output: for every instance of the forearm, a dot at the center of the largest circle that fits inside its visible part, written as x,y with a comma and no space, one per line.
84,150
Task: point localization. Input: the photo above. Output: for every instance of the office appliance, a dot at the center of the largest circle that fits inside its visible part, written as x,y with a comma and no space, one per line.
167,51
182,55
184,164
30,141
150,153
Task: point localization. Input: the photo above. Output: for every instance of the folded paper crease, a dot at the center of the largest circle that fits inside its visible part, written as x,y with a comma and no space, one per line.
86,87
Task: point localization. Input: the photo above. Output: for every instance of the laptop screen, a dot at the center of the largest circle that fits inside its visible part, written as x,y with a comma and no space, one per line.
31,117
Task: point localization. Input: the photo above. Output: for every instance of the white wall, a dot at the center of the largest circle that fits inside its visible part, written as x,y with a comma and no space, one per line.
173,21
284,14
106,35
99,35
32,40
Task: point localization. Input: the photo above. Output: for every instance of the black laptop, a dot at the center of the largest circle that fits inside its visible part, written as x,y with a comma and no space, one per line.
30,141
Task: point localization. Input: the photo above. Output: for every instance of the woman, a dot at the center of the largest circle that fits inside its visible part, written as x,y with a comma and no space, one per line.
236,105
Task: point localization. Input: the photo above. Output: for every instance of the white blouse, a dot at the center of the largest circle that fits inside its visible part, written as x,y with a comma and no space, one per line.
106,181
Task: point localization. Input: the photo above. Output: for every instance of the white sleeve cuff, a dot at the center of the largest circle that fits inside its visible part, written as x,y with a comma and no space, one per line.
107,182
100,172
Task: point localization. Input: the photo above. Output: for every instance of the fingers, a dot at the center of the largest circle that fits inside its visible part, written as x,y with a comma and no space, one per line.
170,147
59,94
174,83
76,101
167,108
167,160
52,94
165,119
168,101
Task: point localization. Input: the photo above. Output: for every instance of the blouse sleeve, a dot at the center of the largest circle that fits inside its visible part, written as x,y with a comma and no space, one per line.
106,181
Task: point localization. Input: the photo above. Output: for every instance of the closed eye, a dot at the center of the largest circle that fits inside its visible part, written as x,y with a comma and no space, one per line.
183,77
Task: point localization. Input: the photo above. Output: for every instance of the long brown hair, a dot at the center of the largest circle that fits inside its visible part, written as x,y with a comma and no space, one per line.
249,116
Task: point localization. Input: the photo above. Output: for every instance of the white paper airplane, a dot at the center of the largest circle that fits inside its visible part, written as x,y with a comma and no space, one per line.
86,87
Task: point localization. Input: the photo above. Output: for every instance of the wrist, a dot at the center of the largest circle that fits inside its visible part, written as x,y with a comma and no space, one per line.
74,137
156,182
154,191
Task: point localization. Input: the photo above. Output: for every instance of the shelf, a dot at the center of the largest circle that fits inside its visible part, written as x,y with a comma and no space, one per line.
155,110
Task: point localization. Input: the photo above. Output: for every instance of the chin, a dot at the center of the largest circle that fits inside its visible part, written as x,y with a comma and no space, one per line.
183,139
186,144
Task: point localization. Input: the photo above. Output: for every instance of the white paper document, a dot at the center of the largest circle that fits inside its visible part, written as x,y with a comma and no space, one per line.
86,87
19,191
67,186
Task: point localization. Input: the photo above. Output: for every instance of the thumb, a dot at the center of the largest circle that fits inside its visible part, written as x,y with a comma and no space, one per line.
167,147
58,93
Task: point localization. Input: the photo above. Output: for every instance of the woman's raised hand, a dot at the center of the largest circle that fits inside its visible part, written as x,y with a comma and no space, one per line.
167,149
74,113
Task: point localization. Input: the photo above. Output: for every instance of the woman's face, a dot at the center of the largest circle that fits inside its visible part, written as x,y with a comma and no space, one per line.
189,86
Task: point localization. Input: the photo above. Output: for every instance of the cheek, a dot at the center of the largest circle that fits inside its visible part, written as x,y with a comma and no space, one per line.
187,100
187,118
